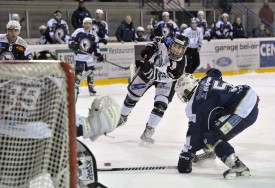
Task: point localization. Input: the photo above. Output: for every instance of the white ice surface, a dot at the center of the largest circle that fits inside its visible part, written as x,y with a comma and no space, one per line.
255,146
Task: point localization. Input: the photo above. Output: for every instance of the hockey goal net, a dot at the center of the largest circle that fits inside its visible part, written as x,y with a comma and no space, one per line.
37,125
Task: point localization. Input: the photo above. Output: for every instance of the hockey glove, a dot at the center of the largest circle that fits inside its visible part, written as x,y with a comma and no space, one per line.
145,66
147,52
74,46
104,41
100,57
185,162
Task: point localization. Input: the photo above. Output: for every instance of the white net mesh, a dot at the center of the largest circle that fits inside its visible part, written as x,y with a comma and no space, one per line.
34,136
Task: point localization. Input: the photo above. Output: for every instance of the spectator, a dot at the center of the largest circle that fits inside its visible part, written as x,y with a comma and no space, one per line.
266,13
238,30
224,28
260,31
225,5
166,27
140,37
150,33
58,29
79,14
126,31
100,26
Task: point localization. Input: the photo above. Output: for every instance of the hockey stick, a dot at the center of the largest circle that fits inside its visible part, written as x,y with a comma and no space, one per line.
198,158
125,68
138,168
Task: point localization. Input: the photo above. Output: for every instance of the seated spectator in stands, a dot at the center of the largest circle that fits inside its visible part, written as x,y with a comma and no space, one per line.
266,13
45,36
224,29
100,26
260,31
126,31
166,27
79,14
140,37
150,33
238,30
58,29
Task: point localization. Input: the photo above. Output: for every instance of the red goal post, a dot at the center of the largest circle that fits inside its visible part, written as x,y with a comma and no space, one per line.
37,125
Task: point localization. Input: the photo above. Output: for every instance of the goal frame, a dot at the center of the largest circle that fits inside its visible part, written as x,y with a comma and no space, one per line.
70,77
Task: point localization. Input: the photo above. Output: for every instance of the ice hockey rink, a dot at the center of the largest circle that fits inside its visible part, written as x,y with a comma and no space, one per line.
255,146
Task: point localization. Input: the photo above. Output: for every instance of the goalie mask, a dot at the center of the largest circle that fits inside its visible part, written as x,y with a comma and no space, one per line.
177,47
186,86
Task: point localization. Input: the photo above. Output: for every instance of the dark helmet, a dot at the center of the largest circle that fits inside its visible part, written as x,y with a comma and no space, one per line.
44,55
180,40
193,20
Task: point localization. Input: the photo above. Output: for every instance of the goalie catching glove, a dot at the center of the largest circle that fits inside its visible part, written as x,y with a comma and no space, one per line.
103,117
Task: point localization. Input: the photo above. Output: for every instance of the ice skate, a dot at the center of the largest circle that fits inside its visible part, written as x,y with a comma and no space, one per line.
92,91
122,120
146,137
237,168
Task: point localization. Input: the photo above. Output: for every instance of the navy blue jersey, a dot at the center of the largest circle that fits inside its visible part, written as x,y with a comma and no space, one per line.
212,99
166,28
19,50
101,28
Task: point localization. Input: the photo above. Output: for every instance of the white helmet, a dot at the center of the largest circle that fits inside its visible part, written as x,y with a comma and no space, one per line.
15,17
12,24
200,13
225,15
99,11
183,26
139,28
186,86
165,14
87,20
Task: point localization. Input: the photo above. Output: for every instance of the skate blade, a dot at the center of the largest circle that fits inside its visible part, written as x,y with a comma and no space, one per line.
146,144
233,175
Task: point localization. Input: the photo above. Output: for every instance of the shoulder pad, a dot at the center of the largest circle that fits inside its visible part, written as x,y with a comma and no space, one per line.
22,42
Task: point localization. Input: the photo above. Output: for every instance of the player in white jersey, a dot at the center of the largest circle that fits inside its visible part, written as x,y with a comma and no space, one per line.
58,29
84,42
195,36
12,46
164,63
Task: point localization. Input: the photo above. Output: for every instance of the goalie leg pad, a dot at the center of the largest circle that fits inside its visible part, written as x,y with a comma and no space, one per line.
103,116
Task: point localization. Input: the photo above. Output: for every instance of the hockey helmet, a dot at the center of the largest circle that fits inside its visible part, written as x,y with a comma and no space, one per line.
193,20
87,20
99,11
186,86
165,14
200,13
13,24
42,29
15,17
140,29
176,55
183,26
225,15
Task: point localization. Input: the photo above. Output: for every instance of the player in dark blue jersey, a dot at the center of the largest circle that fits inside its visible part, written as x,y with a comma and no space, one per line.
166,27
217,112
100,27
84,42
12,46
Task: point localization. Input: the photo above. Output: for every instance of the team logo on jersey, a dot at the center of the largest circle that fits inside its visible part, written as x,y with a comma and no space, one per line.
85,44
7,56
20,48
59,33
165,31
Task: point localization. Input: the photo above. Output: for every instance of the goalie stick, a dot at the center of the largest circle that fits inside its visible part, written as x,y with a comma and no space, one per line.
198,158
125,68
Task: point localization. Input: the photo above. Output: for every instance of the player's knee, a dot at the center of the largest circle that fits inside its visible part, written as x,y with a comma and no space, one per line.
211,139
129,102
